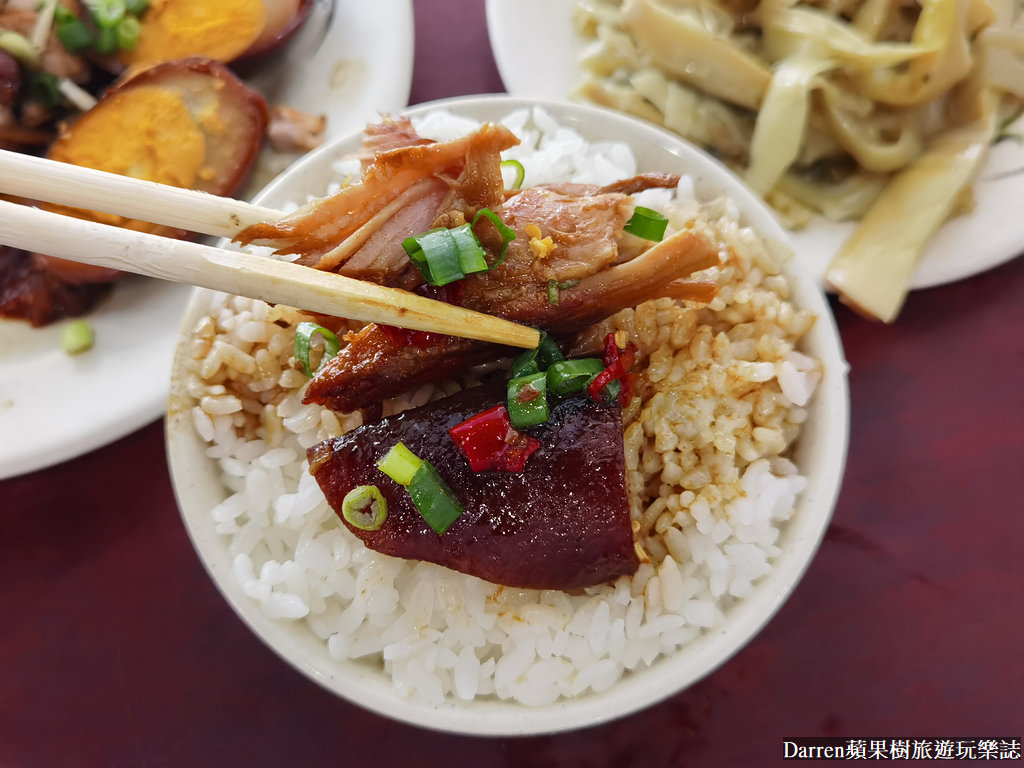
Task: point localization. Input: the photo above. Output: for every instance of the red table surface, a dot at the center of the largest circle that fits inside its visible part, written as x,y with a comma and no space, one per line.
117,650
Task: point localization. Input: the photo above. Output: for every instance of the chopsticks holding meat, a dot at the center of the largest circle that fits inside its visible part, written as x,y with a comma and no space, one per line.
232,271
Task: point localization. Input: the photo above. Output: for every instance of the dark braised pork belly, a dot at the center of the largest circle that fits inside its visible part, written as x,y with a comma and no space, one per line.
561,523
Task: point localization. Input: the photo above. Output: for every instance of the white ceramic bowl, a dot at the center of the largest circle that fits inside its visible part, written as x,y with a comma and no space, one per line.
820,455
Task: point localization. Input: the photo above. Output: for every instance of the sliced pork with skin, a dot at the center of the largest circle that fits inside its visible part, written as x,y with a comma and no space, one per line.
379,362
570,264
321,225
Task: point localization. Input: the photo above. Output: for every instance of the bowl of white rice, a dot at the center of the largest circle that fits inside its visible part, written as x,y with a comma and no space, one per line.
734,448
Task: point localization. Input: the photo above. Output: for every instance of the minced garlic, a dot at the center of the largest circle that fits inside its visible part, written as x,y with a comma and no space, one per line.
541,247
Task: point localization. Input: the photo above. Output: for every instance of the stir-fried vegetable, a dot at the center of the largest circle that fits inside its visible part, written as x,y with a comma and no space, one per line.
872,270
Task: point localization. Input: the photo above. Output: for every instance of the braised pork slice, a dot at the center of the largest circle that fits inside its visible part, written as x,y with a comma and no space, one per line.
318,227
378,362
562,523
570,264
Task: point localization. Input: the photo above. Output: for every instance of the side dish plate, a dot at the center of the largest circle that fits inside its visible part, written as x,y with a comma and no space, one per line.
350,61
991,234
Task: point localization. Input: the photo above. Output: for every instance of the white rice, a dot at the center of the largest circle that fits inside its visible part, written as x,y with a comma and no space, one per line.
720,403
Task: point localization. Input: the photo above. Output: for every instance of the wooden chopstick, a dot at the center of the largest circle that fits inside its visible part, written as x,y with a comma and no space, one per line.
242,273
38,178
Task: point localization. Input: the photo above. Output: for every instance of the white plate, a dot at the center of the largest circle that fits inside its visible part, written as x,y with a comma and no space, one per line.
991,234
350,61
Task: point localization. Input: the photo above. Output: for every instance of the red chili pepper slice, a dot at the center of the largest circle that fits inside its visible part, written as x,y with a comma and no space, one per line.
618,363
489,441
404,337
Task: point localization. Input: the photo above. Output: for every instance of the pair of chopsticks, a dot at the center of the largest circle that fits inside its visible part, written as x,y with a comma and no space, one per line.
235,272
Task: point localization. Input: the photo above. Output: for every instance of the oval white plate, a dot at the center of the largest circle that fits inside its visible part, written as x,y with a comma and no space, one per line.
993,233
821,455
350,61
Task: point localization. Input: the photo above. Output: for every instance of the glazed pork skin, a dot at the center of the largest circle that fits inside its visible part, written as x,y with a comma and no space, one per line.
562,523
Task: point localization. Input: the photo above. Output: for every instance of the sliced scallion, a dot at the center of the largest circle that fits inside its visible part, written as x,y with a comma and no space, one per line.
525,363
106,40
304,334
445,255
73,34
520,173
77,337
648,224
554,286
136,6
537,359
44,88
569,376
548,352
365,507
128,33
471,253
107,13
438,253
527,402
400,464
433,499
507,235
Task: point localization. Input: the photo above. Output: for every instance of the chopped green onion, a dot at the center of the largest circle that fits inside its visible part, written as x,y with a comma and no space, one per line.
569,376
548,352
439,253
471,253
431,496
446,255
77,337
516,166
136,6
436,254
400,464
645,223
527,401
365,507
304,334
537,359
106,41
507,235
433,499
45,89
128,33
554,286
73,34
525,363
107,13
